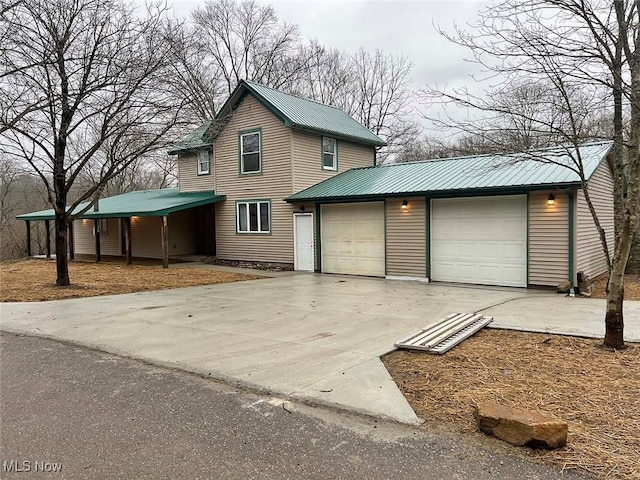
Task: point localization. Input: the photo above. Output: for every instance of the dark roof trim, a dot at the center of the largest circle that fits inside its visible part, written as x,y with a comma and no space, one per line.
472,192
338,136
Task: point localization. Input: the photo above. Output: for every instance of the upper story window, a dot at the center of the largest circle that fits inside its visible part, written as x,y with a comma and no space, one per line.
250,152
329,154
204,163
253,216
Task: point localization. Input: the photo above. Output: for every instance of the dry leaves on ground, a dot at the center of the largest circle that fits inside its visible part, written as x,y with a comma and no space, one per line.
594,389
631,287
34,280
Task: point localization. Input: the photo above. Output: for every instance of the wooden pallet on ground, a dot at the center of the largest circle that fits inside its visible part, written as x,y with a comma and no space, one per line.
443,335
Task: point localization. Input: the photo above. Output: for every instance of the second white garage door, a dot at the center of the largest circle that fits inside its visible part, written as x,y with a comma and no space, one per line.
480,240
353,238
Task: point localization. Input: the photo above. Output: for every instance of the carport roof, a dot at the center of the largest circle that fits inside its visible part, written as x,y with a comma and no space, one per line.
550,167
146,203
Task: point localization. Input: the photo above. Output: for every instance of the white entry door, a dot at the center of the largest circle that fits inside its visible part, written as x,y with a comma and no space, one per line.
303,232
480,240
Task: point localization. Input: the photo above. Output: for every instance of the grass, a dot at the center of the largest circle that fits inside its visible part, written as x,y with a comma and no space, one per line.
34,280
595,390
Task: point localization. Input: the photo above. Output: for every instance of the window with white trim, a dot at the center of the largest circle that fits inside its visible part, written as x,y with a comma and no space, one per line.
204,163
253,216
329,154
250,154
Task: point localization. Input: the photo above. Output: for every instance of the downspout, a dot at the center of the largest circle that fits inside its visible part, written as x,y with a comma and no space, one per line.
572,237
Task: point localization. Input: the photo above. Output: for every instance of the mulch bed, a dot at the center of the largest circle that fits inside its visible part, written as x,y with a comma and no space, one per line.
631,287
34,280
595,389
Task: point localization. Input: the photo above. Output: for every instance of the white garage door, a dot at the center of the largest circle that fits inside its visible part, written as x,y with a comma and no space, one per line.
352,236
480,240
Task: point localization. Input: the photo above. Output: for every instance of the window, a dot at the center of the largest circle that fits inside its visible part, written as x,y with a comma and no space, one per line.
329,154
250,154
253,217
203,162
102,226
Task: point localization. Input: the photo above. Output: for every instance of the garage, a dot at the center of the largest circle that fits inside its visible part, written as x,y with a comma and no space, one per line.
481,240
352,239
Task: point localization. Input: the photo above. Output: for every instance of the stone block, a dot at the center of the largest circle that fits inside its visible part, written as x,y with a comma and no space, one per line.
521,427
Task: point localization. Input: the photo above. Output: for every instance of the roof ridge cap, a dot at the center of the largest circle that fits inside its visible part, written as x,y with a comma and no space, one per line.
250,82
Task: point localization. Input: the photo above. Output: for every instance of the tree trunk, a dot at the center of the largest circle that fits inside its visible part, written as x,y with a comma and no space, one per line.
614,320
62,267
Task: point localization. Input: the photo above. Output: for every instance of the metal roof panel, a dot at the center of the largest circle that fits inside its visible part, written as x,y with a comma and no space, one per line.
528,169
142,203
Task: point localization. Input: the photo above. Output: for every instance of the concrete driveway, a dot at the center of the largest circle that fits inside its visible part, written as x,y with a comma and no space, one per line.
315,338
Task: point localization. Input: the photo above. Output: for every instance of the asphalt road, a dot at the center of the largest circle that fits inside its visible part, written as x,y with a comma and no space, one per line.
105,417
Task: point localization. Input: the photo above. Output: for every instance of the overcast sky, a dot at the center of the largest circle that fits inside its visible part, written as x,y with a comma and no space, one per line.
407,28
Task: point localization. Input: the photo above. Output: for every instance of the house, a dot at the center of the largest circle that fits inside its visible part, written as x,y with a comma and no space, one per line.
278,178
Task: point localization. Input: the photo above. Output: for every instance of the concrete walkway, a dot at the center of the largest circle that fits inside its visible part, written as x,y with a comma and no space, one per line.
315,338
558,314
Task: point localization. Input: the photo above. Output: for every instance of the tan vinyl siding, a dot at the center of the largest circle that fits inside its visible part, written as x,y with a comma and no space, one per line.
406,238
85,242
548,239
182,233
307,159
274,183
188,178
146,237
590,257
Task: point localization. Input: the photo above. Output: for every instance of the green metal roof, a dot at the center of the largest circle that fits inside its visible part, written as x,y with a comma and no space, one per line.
199,138
293,111
463,174
146,203
310,115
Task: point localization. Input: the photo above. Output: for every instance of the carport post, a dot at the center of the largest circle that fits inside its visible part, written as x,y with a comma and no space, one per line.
96,231
48,231
72,253
28,238
127,238
165,243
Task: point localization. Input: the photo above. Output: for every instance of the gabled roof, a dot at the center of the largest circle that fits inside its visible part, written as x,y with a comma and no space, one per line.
463,174
292,110
146,203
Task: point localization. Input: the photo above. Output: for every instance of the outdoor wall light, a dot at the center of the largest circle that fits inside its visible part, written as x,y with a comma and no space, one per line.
302,208
405,205
551,200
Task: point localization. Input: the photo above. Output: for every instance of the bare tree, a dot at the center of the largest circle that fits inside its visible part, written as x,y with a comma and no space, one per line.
585,55
194,75
382,98
84,86
244,40
327,76
20,191
153,171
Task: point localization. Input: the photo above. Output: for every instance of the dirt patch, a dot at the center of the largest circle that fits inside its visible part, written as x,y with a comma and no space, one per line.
631,287
594,389
34,280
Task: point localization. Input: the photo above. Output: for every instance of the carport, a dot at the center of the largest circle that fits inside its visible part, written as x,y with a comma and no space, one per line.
148,211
